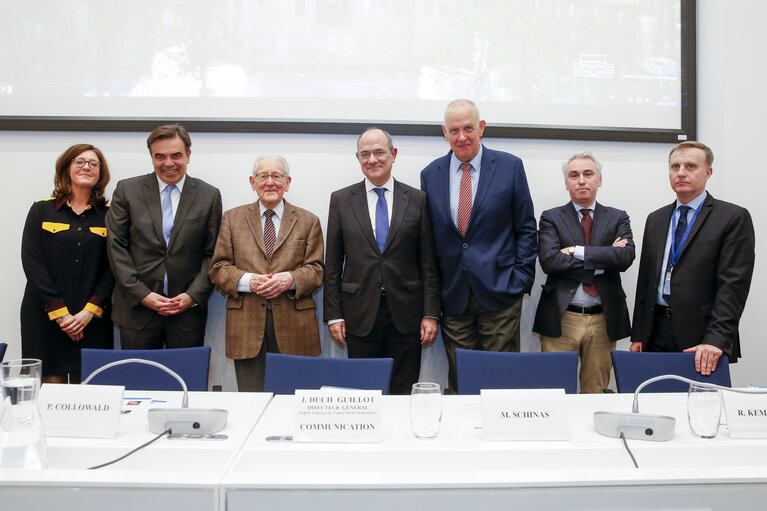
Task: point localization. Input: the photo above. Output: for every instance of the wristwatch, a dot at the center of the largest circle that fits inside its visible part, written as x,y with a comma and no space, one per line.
571,251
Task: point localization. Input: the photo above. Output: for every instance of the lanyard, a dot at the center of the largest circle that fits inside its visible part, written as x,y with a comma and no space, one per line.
674,254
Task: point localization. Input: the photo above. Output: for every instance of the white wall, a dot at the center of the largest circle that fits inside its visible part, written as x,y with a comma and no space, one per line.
635,177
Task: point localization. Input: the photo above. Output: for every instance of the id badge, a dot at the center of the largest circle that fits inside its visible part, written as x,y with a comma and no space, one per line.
667,282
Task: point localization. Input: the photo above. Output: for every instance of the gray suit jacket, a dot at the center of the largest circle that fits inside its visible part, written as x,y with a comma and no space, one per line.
355,269
139,256
561,228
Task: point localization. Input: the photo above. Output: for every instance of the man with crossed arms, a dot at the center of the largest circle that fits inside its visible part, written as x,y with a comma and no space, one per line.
583,247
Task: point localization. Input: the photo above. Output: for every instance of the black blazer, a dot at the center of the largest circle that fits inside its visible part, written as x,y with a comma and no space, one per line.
559,228
711,279
355,269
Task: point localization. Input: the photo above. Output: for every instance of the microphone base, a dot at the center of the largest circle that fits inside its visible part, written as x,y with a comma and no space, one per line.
637,426
195,421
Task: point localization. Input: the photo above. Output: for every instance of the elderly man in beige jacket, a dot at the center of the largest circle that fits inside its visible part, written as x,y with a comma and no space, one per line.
268,262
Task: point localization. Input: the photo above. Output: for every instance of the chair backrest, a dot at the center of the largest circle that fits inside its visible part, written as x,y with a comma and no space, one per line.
286,373
632,368
192,364
3,347
502,370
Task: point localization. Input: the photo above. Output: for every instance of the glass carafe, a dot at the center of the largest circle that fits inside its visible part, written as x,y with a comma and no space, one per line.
22,438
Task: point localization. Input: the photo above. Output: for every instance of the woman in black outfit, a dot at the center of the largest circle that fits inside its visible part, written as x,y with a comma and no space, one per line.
69,283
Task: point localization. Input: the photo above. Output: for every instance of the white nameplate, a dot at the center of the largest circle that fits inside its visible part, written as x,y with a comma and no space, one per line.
87,411
524,414
337,416
746,414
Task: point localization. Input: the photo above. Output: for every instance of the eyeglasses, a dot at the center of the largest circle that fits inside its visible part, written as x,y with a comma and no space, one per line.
263,178
80,163
378,153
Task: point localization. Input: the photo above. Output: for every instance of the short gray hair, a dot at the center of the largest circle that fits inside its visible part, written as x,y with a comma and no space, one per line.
281,159
580,155
462,103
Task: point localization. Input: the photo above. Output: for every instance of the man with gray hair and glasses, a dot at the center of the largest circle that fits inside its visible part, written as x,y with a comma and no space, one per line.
268,263
583,247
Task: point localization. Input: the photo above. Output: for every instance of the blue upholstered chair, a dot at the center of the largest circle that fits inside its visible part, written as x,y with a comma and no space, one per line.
632,368
502,370
192,364
286,373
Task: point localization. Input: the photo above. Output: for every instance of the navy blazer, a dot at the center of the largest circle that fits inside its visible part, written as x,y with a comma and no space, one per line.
711,279
560,228
496,258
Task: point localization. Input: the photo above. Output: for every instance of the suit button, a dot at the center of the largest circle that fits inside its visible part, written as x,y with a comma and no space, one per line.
463,268
465,245
572,291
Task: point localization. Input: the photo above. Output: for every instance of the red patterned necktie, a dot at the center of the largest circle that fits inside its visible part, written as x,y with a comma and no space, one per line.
464,199
270,237
586,223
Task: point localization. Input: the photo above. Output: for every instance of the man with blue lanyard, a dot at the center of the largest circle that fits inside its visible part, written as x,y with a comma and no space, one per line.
695,268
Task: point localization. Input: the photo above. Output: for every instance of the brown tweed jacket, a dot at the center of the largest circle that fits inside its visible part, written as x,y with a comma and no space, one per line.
299,250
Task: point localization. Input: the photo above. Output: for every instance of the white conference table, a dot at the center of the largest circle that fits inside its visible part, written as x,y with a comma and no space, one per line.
169,474
459,471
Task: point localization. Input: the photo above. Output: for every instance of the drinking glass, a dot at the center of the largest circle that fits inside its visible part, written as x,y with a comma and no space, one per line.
22,439
425,409
704,409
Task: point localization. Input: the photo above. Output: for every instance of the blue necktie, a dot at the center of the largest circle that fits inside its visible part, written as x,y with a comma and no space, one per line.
382,219
167,225
167,213
681,227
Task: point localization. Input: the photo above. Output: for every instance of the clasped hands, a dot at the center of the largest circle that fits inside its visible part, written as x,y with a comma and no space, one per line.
73,326
166,306
271,285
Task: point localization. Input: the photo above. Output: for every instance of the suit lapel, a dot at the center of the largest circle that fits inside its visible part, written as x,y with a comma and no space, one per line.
184,204
254,222
486,174
152,199
660,235
705,210
599,227
287,222
570,220
443,188
359,203
400,201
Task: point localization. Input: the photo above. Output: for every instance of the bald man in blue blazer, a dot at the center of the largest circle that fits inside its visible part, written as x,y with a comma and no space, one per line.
486,244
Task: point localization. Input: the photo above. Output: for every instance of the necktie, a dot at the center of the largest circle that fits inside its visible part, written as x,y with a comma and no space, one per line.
167,225
270,237
464,199
681,227
586,223
167,213
382,219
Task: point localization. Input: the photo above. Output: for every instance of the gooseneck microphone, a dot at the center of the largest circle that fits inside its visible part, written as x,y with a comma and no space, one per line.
181,421
642,426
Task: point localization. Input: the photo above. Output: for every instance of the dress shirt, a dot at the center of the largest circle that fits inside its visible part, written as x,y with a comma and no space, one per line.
243,285
455,182
175,194
694,205
372,197
581,297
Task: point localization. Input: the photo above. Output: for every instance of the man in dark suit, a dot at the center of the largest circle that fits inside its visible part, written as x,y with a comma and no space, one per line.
583,247
381,283
485,235
696,266
162,230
